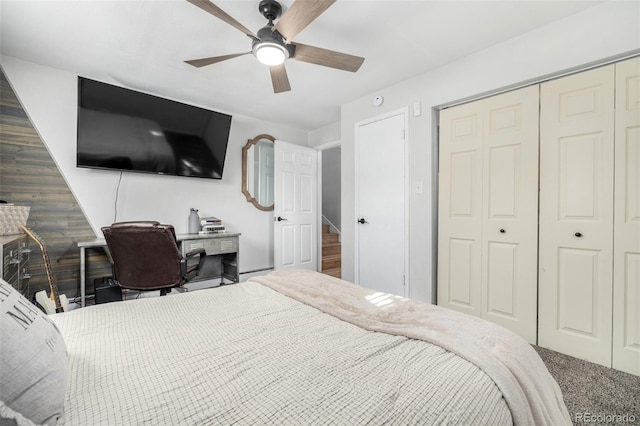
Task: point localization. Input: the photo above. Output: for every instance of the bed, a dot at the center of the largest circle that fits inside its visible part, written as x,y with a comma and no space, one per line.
292,347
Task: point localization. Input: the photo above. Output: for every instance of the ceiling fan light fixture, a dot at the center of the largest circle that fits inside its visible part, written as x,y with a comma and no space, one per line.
270,53
273,44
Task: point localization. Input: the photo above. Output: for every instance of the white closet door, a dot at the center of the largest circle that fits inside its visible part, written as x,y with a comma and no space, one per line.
488,209
510,211
460,209
626,287
576,215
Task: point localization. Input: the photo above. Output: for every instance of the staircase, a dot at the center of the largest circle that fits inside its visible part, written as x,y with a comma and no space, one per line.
331,253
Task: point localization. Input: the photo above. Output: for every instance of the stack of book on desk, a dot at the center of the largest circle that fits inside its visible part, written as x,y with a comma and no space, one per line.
211,225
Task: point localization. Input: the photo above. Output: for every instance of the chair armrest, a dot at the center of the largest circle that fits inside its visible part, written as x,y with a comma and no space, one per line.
199,251
194,270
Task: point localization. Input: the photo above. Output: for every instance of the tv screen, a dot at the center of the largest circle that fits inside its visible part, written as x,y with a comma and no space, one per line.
123,129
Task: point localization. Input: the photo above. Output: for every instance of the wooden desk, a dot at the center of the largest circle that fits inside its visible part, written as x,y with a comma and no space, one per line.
224,247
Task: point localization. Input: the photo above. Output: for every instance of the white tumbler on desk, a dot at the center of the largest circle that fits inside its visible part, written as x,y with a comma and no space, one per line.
194,222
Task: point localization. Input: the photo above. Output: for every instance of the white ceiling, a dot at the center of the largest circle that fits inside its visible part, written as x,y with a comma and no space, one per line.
141,44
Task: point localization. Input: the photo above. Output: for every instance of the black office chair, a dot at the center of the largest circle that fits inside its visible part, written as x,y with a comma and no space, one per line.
145,256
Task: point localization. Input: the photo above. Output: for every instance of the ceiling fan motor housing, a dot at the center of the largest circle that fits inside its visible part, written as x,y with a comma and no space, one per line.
270,9
270,44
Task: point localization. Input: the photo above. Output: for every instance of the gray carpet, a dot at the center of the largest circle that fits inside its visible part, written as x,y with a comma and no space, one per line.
591,390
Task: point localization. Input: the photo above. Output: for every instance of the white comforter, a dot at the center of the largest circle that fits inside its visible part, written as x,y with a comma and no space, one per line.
246,354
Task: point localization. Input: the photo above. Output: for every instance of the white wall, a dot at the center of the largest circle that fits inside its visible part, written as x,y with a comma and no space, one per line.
49,97
324,135
605,30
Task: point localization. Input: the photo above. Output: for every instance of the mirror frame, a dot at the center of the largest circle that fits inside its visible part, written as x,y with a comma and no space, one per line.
245,191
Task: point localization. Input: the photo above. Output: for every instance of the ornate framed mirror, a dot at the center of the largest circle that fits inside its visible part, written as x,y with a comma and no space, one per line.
258,170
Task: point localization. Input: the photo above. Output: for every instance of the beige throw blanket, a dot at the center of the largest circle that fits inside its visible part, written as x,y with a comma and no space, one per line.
530,391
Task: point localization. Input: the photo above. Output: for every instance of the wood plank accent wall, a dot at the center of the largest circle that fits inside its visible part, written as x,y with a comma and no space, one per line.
29,176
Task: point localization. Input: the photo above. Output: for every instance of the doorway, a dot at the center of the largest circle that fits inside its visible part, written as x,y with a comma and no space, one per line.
331,193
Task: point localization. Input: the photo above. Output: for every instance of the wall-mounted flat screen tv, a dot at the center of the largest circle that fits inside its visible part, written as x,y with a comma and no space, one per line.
122,129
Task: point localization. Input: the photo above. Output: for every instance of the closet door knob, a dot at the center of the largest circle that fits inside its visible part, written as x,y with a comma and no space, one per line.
502,231
578,234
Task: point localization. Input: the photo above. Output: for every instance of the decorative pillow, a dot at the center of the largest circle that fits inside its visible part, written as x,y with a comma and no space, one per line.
33,362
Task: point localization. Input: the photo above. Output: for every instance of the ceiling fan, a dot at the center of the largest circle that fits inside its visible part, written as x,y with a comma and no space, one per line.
273,45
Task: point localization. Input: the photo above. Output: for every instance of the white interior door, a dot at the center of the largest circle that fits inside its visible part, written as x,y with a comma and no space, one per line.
380,204
295,206
626,287
576,215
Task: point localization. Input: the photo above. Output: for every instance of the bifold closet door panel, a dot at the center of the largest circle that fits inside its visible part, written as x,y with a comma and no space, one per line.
626,251
488,209
460,209
510,211
576,214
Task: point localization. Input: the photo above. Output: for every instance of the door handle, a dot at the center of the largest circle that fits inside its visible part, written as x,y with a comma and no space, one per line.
502,230
280,219
361,220
578,234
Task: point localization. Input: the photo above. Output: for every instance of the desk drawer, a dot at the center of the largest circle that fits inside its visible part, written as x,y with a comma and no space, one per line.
212,246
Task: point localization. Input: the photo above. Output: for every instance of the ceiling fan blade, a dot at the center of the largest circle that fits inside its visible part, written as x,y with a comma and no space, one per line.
299,15
327,58
207,6
213,60
279,78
